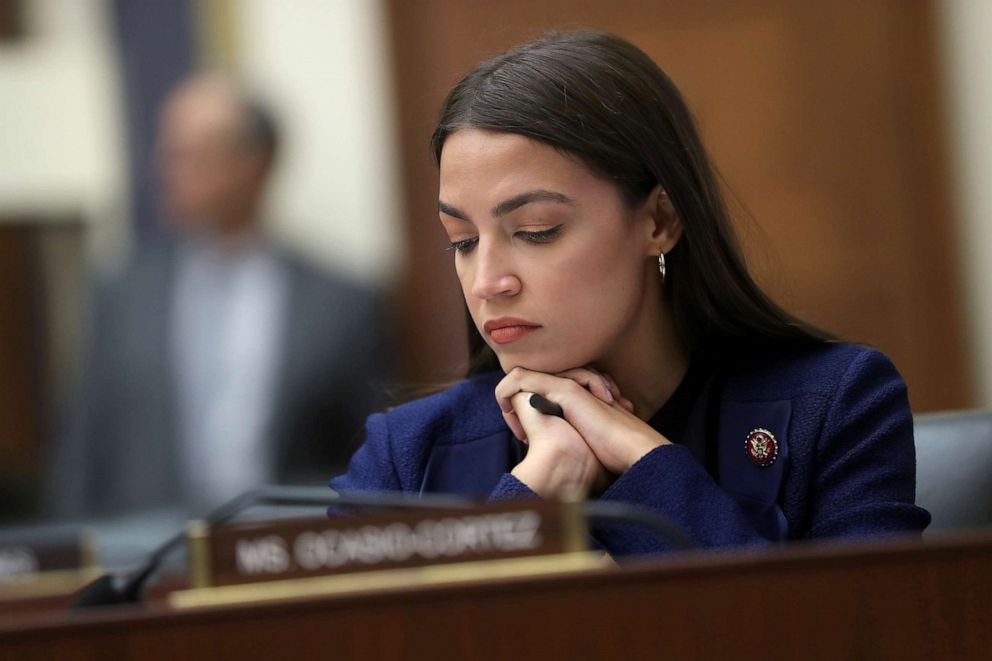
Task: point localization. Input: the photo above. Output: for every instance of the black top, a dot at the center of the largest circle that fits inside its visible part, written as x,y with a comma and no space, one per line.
694,397
672,418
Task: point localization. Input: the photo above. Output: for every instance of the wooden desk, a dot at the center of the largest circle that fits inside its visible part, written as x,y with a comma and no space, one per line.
890,600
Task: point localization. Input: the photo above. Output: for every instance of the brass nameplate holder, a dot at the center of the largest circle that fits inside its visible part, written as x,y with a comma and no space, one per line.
295,557
33,565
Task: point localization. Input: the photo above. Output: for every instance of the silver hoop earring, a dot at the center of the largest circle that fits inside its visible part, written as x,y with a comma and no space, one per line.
661,266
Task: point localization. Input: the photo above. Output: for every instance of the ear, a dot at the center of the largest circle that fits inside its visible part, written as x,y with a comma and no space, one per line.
662,223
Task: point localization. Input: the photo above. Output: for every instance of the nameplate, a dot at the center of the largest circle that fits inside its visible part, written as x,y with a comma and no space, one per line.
251,552
44,562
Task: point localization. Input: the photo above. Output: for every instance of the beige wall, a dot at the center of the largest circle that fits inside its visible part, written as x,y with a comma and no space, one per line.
966,29
62,150
324,65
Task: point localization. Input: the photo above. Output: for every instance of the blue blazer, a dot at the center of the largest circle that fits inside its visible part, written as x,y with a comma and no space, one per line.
846,464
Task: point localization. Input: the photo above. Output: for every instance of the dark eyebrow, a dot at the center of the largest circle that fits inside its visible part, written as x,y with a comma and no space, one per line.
449,210
512,204
518,201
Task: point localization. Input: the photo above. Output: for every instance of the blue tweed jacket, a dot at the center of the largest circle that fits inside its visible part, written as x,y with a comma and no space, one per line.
840,413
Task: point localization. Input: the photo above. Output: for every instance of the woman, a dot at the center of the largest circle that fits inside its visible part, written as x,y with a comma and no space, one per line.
600,271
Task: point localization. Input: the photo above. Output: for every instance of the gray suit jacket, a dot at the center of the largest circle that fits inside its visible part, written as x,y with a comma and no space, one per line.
119,451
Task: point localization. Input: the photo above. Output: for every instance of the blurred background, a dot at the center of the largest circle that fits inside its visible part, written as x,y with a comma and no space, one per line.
854,138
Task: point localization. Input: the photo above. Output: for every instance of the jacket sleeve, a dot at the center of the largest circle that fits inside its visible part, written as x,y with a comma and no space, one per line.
864,476
670,482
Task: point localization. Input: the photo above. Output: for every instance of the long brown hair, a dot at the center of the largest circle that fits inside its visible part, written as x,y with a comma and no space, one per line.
599,97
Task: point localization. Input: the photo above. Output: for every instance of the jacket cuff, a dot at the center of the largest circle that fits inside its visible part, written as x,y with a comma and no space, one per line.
651,469
510,488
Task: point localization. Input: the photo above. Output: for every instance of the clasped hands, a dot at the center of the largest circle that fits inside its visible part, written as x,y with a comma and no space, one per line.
598,439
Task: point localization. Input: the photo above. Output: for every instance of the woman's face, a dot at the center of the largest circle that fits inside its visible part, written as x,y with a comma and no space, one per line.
554,265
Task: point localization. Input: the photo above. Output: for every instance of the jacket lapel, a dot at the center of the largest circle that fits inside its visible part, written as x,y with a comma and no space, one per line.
754,486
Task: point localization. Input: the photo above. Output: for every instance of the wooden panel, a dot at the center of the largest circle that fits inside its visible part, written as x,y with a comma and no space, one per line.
898,600
824,119
21,336
21,408
40,300
11,20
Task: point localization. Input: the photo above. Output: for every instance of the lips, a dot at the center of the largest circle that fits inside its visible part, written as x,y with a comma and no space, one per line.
509,329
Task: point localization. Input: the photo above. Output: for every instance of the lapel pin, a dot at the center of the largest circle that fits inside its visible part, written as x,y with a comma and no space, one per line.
762,447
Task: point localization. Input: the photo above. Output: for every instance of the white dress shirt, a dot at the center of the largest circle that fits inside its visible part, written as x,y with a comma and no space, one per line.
226,337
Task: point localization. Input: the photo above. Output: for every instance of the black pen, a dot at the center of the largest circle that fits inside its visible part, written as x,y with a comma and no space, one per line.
545,406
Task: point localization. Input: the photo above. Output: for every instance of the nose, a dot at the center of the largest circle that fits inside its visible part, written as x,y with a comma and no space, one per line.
493,274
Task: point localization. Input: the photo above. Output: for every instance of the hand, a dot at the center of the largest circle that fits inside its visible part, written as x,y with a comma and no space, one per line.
593,408
599,384
557,458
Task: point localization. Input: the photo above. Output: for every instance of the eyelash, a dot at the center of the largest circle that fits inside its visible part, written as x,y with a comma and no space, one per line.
539,237
464,245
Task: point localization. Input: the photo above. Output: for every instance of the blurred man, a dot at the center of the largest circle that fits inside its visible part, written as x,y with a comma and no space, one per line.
217,362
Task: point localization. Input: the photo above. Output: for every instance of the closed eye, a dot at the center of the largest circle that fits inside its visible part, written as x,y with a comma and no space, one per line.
541,236
463,246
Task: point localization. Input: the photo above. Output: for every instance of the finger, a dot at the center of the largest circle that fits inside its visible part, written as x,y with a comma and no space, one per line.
515,427
593,381
614,388
508,386
564,392
535,423
520,379
526,416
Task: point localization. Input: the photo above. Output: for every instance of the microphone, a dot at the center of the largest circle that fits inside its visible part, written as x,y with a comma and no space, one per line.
608,511
111,589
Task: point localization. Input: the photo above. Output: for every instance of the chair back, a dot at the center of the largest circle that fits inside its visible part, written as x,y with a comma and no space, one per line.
954,468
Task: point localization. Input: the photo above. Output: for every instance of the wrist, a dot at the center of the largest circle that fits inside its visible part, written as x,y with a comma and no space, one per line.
643,446
549,476
531,476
